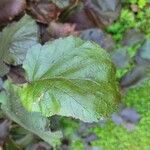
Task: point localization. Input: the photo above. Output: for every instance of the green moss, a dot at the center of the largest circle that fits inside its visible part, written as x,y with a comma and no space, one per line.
125,21
77,145
143,21
121,72
128,19
113,137
132,1
139,98
69,126
142,3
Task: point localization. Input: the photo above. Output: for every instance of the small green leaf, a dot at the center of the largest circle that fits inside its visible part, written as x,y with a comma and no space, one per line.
34,122
16,39
70,77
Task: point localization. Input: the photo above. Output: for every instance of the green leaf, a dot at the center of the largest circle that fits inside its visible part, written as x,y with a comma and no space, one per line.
34,122
3,97
3,69
70,77
16,39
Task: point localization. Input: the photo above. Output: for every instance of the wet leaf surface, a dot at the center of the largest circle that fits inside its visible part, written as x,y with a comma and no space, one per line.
78,67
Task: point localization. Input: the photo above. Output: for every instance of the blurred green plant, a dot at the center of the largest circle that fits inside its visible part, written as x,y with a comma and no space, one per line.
128,19
141,3
143,21
69,126
77,145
